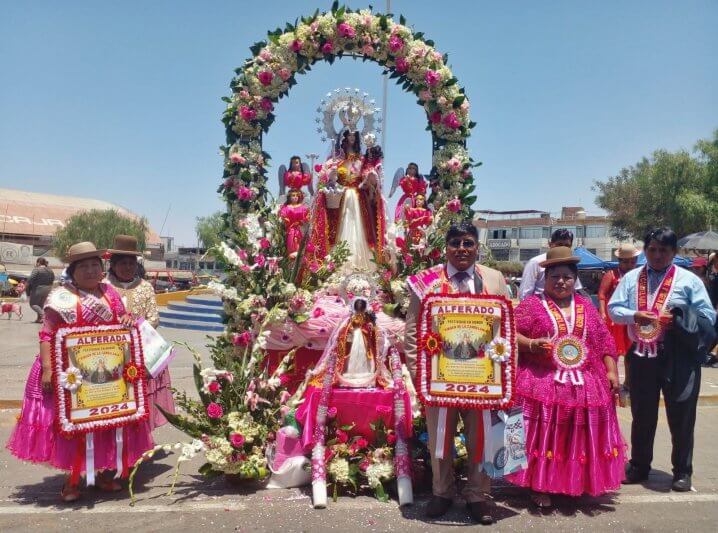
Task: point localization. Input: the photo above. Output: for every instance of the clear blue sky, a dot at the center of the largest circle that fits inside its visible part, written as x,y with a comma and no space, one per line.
121,100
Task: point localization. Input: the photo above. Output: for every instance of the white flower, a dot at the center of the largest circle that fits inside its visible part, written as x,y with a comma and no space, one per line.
378,472
339,470
189,450
499,350
71,378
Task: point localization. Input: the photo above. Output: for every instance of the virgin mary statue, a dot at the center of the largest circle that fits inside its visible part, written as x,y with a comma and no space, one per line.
350,206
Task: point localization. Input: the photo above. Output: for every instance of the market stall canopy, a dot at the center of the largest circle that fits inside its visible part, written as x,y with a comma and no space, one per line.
685,262
703,240
589,261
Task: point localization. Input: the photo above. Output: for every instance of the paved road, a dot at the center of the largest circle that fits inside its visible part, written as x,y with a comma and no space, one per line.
28,493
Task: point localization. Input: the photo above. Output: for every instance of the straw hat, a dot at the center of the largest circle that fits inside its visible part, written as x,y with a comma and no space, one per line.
124,245
627,251
559,255
82,250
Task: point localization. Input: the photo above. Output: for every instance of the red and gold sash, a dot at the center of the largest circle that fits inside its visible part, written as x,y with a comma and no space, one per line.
569,351
648,337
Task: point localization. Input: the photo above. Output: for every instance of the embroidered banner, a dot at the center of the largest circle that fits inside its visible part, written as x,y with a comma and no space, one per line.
466,351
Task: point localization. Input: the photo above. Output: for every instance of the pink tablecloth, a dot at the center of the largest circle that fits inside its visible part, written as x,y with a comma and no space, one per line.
360,407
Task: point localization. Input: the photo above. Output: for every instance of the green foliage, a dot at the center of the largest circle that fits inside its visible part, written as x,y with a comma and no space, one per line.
676,189
100,227
209,229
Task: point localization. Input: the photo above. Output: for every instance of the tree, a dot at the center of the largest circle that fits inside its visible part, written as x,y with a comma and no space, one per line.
209,229
100,227
675,189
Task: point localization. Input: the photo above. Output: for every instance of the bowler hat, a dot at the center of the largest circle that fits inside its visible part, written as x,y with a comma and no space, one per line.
627,251
82,250
124,245
559,255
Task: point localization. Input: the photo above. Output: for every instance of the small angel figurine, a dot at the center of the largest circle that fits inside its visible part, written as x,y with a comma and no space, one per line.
411,183
417,218
298,176
295,215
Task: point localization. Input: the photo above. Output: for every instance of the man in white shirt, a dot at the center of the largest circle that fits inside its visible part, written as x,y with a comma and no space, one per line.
533,278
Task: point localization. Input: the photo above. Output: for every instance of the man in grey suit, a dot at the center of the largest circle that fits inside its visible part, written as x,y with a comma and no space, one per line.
461,274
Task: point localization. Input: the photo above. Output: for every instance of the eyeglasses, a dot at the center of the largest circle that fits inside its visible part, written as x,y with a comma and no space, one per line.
459,243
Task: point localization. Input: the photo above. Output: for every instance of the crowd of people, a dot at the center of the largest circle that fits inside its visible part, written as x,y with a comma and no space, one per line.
660,317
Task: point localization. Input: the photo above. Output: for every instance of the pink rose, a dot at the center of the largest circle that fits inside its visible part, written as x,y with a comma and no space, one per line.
267,105
284,73
237,158
464,106
345,30
242,339
391,439
296,45
318,311
214,410
243,94
310,247
452,121
367,50
242,254
265,77
438,56
328,47
260,260
265,54
314,267
454,205
342,436
237,440
317,168
408,260
396,43
402,65
332,412
361,443
214,387
245,193
441,101
435,117
432,78
245,268
247,113
264,243
453,164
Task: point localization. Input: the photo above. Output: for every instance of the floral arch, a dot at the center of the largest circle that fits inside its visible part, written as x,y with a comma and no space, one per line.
405,55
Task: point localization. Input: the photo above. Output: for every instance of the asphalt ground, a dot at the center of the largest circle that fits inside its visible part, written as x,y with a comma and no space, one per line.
29,493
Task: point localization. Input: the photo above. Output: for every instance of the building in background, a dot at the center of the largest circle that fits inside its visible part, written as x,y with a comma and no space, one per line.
29,220
521,235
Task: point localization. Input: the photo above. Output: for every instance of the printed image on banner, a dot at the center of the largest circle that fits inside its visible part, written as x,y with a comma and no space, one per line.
100,377
467,350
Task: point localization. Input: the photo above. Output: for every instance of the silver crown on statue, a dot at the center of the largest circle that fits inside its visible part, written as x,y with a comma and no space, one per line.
351,107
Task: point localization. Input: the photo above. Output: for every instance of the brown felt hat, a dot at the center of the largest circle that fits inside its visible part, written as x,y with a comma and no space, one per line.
559,255
124,245
627,251
82,250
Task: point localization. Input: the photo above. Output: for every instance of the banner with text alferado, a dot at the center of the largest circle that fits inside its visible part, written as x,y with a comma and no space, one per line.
99,378
466,351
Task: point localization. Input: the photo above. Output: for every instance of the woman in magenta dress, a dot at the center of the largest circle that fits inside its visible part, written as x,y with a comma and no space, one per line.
35,437
294,214
573,441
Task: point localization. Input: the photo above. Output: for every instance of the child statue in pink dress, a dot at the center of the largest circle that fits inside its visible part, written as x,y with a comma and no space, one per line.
295,215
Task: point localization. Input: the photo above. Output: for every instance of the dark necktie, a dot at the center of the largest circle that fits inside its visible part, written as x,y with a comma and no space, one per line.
461,282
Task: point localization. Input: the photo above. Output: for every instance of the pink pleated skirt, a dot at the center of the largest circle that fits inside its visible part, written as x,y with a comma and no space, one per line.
159,392
36,439
571,450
